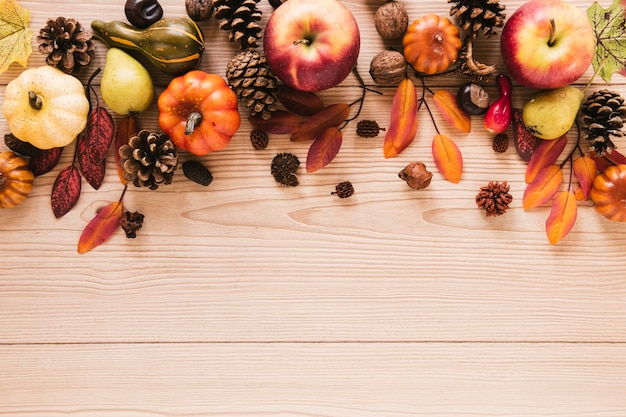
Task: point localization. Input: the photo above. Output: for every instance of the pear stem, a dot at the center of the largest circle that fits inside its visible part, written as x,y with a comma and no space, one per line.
552,32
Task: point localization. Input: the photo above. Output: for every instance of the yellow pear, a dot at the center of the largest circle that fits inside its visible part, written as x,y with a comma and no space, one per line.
549,114
126,85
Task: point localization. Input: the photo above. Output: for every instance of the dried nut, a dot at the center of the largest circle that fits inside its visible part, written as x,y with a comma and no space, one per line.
143,13
473,99
388,68
416,175
391,20
199,10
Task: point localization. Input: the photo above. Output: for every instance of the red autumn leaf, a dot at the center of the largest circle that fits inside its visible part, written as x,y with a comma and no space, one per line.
99,134
92,170
585,172
45,160
403,124
446,104
543,187
126,130
448,158
101,227
324,149
607,159
562,216
304,103
282,122
329,116
547,153
65,190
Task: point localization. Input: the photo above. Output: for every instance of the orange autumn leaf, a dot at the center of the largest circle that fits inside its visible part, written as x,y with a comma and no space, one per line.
585,172
329,116
324,149
448,158
543,187
447,106
101,227
547,153
562,216
403,124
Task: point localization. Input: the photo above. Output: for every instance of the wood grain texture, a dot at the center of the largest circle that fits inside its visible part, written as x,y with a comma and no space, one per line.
251,299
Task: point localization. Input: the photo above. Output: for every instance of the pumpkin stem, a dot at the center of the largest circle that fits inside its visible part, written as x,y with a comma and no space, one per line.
552,32
193,120
34,100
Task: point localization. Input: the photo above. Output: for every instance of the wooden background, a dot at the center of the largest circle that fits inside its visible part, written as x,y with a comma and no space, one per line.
250,299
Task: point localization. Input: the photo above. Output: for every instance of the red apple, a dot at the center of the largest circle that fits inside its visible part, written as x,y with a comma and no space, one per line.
547,44
311,45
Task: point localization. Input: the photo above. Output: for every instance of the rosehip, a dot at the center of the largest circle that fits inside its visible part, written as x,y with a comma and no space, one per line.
498,116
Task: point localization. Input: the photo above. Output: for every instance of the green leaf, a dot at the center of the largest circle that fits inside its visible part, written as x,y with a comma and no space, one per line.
609,26
14,34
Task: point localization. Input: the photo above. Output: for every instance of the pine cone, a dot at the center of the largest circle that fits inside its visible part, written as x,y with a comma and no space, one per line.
603,114
253,82
476,16
494,198
284,166
149,159
241,18
68,45
344,189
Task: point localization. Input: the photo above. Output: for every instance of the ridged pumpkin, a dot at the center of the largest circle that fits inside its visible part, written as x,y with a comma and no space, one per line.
431,44
608,193
16,179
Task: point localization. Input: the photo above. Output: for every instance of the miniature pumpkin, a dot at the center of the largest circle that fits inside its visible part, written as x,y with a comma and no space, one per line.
608,193
46,107
431,44
16,179
199,112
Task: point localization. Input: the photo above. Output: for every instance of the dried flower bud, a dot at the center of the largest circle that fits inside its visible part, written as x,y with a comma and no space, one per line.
416,175
284,165
500,143
368,128
130,223
259,139
343,189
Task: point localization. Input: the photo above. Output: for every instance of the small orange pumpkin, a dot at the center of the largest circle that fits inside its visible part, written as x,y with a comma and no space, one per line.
16,179
431,44
199,112
608,193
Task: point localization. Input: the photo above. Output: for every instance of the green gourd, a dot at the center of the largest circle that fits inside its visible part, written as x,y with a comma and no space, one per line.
174,45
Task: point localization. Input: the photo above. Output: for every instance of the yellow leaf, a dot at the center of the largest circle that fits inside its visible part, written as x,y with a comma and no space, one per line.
15,36
446,103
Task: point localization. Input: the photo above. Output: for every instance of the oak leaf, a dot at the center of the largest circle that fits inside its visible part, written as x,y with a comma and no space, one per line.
543,187
446,104
448,158
324,149
15,37
562,216
101,227
403,124
547,153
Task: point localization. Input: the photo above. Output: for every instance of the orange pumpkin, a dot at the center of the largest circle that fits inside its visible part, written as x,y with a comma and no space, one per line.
16,179
431,44
608,193
199,112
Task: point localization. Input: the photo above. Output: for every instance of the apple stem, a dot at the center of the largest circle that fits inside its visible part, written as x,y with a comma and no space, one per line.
193,120
552,39
304,41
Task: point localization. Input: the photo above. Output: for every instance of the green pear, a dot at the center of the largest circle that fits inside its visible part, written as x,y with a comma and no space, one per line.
549,114
126,85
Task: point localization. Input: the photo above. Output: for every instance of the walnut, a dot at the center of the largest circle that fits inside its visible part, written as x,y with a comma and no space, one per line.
391,20
388,68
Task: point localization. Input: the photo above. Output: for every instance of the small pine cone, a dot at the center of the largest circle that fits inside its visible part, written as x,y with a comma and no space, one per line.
478,16
149,159
500,143
130,223
241,18
197,172
284,166
603,114
253,82
344,189
494,198
368,128
259,139
67,44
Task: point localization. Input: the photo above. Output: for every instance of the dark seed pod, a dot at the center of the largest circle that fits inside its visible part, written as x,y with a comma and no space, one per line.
143,13
343,190
284,166
199,10
259,139
472,99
